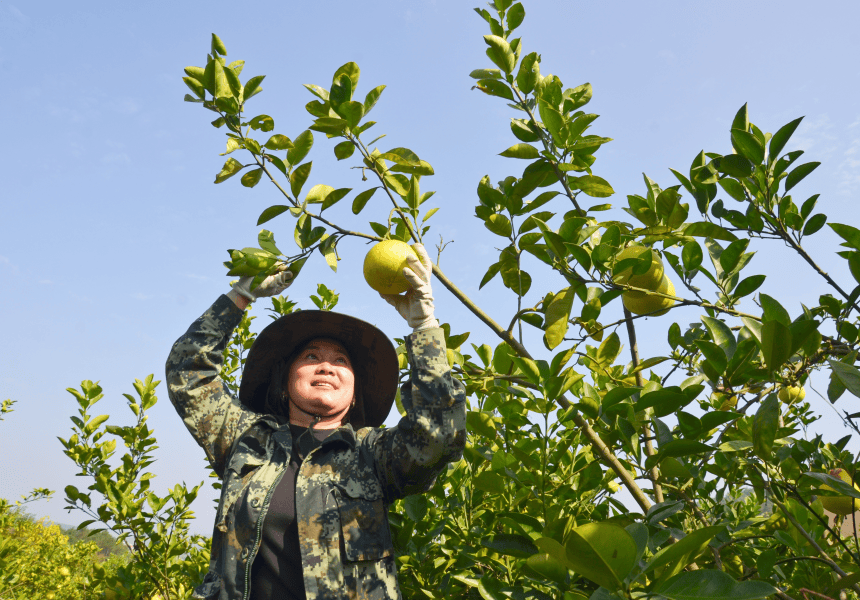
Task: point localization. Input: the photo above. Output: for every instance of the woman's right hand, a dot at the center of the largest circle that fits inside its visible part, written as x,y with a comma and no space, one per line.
275,284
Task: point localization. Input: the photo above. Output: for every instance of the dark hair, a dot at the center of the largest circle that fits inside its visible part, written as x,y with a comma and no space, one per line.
277,395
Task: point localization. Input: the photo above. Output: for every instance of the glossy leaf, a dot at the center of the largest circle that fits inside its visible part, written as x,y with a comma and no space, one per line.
299,176
847,374
230,168
278,142
602,553
721,334
361,200
773,310
775,344
781,137
301,146
500,52
672,559
271,212
798,173
707,584
252,178
344,150
594,186
525,151
510,544
557,316
748,145
764,426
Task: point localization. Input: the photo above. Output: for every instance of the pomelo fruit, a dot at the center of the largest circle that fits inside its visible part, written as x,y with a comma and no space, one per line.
640,303
840,505
384,264
791,394
649,280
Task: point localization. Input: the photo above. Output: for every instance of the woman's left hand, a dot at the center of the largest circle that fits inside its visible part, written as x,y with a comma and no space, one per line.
416,305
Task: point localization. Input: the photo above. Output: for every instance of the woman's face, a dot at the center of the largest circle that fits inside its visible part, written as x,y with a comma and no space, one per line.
321,381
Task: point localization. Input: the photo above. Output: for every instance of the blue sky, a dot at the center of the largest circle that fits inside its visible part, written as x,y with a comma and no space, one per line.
113,234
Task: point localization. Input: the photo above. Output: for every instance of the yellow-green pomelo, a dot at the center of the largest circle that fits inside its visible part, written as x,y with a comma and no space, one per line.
791,394
384,264
840,505
640,303
649,280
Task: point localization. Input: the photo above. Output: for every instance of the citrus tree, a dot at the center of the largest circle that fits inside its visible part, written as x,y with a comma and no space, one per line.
727,494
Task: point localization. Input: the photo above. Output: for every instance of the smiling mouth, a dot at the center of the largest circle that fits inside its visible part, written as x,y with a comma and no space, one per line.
322,384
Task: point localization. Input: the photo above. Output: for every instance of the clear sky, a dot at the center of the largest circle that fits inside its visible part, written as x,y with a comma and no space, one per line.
112,232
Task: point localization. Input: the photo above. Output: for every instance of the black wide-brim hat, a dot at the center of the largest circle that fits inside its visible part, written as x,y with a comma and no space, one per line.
373,357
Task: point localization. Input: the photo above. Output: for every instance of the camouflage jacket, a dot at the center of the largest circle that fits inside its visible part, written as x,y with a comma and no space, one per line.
344,486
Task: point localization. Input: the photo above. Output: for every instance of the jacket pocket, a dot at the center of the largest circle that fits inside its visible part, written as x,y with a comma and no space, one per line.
364,525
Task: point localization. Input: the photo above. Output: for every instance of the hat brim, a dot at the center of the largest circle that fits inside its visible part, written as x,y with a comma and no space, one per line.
373,357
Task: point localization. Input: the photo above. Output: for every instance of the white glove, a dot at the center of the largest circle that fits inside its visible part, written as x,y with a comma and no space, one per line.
416,305
270,286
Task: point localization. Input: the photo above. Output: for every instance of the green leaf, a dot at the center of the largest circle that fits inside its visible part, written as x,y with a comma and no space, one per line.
731,256
773,310
361,200
230,168
271,212
847,374
528,367
764,426
594,186
798,173
775,344
372,97
301,146
708,230
299,176
500,53
748,286
602,553
548,567
279,142
748,145
344,150
494,87
262,123
510,544
499,224
692,256
781,137
742,119
195,86
352,112
218,46
341,90
318,193
481,423
707,584
399,183
672,559
814,224
334,197
850,234
252,87
715,361
266,241
721,334
402,156
222,86
558,316
525,151
734,165
528,74
490,482
252,178
664,402
733,189
515,16
329,125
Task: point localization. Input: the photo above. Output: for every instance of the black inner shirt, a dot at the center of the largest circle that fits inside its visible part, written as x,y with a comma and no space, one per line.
277,570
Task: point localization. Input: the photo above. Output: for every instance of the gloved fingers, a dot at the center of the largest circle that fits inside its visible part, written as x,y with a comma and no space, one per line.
392,299
417,267
415,279
425,259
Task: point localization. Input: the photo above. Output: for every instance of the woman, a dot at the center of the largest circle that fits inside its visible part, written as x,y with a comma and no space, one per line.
307,473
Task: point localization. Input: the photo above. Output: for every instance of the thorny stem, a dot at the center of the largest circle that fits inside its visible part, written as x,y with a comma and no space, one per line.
646,427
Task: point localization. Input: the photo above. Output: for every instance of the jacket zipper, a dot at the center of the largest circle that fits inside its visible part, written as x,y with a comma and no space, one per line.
263,510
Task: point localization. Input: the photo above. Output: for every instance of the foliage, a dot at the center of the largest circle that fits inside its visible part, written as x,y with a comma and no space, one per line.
37,560
724,482
164,558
